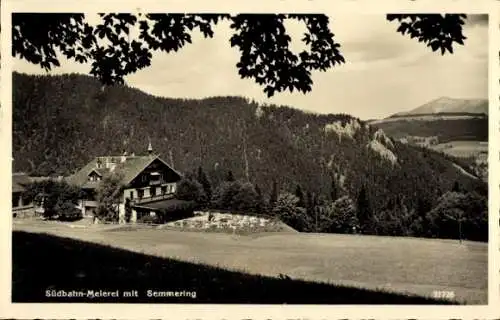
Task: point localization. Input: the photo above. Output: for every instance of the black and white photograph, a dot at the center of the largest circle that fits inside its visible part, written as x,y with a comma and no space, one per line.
249,158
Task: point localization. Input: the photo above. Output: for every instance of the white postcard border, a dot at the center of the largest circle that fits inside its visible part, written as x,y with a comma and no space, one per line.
195,311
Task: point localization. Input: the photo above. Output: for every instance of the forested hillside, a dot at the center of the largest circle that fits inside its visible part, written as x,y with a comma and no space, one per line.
61,122
474,128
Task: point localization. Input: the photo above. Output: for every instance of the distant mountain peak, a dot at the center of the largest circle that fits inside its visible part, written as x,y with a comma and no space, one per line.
446,104
443,99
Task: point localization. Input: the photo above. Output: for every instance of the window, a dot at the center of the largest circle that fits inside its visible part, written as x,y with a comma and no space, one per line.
153,192
131,194
170,188
163,190
155,178
93,176
90,196
140,193
25,201
15,200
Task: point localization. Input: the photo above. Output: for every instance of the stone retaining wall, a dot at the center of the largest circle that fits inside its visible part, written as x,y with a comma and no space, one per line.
226,221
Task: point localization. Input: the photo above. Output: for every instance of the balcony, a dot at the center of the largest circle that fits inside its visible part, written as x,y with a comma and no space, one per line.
154,182
152,198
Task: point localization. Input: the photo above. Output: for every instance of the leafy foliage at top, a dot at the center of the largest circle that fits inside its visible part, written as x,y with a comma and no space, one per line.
123,43
438,32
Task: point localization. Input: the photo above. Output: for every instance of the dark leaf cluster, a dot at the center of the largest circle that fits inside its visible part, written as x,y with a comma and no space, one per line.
437,31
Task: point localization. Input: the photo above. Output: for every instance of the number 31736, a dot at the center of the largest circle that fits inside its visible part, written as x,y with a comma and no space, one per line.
443,294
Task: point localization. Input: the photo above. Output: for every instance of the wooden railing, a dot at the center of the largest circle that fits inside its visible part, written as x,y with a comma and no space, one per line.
152,198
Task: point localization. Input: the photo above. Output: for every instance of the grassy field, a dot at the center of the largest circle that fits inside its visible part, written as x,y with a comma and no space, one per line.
463,148
146,257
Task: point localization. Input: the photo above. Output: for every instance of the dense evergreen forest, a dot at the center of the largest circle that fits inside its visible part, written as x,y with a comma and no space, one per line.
61,122
475,129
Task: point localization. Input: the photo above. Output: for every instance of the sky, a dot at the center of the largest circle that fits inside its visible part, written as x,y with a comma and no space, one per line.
384,73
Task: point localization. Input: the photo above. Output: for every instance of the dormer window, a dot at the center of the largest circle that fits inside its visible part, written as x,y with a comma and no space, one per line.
94,176
155,176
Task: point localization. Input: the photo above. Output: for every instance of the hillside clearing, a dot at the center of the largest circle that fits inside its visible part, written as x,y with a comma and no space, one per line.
405,265
464,148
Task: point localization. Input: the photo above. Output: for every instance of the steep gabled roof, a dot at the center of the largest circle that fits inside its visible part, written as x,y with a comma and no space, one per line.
98,171
130,169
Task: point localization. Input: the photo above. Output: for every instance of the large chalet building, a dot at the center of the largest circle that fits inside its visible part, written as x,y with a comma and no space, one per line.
149,183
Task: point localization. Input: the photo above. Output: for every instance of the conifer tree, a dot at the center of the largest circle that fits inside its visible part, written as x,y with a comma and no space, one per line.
203,180
260,198
229,176
364,211
300,196
274,193
334,192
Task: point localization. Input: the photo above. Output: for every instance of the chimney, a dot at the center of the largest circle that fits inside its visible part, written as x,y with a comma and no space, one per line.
150,148
123,157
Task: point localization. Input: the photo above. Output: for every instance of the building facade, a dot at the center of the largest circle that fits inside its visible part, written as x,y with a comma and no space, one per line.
146,182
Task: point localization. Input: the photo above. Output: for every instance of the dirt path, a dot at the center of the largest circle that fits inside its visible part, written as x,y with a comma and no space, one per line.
465,172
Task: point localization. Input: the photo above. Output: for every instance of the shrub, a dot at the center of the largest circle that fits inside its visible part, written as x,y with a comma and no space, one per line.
459,215
58,198
68,211
238,196
286,210
341,216
190,190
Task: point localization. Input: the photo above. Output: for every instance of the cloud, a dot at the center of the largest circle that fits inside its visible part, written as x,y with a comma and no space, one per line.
477,20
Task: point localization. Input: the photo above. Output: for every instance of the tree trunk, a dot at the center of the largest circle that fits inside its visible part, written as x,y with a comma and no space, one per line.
245,156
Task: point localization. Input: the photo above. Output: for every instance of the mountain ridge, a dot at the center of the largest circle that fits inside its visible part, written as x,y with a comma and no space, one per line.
61,122
447,119
445,105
